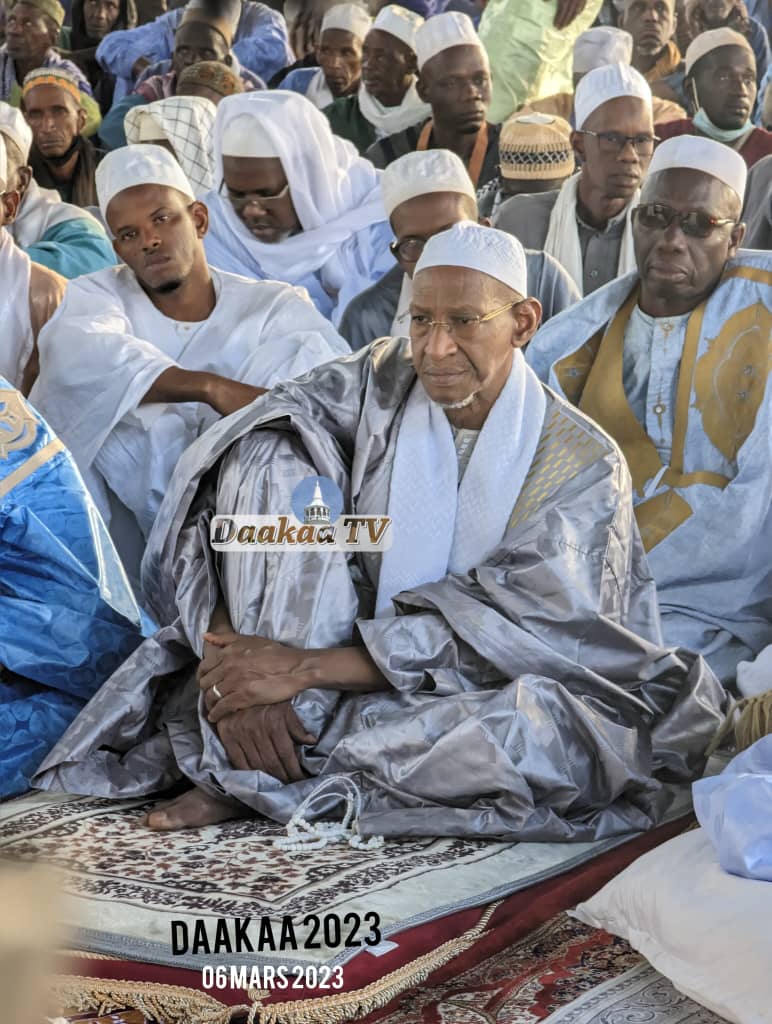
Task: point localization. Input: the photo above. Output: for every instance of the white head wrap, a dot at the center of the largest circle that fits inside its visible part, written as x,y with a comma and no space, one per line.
348,18
442,32
186,122
420,174
606,83
3,166
695,153
487,250
602,45
241,138
399,22
138,165
335,192
714,39
13,125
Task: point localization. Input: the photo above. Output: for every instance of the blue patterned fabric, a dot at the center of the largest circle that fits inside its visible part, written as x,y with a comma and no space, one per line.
67,614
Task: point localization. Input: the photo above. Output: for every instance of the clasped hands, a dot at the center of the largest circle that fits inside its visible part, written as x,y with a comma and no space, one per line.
256,680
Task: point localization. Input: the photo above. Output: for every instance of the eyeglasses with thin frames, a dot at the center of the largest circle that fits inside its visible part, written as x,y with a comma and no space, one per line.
615,142
246,198
462,328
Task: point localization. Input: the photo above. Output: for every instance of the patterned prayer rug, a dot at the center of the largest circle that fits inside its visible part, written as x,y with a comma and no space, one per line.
128,885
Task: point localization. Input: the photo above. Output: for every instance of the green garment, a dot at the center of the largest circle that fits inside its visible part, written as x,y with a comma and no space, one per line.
529,57
73,247
348,121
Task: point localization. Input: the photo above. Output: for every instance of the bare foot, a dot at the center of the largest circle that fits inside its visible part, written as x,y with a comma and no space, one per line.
193,809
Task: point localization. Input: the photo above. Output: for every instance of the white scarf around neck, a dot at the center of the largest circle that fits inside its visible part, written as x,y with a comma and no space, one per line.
318,92
439,526
388,120
562,239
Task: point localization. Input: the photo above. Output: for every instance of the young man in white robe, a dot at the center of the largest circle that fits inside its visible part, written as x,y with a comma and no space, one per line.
497,671
674,360
585,224
143,357
30,296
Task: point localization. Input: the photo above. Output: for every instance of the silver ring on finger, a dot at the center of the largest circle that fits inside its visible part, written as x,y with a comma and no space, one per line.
216,692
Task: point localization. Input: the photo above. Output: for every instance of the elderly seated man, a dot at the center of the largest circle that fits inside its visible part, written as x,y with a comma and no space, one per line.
497,671
673,360
586,224
31,294
141,358
339,52
56,234
425,193
454,79
294,203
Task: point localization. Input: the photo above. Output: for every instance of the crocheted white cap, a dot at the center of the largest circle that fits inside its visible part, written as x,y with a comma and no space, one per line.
695,153
602,45
420,174
711,40
399,22
609,82
351,18
138,165
487,250
442,32
13,125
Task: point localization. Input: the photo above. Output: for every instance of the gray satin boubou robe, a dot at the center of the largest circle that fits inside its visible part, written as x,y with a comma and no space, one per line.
530,699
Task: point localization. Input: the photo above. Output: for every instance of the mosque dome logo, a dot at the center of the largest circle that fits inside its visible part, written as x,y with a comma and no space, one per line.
317,501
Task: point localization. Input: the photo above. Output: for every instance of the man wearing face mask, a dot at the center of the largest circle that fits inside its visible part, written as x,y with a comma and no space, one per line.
721,72
387,100
673,360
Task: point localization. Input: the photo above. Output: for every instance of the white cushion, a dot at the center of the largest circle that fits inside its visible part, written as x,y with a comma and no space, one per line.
707,931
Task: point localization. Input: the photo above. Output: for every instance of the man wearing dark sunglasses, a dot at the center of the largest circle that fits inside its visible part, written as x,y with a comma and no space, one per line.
673,360
586,224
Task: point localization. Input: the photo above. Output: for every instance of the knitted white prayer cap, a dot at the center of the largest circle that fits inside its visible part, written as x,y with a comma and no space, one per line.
349,18
420,174
442,32
3,166
242,136
602,45
609,82
13,125
399,22
711,40
695,153
486,250
138,165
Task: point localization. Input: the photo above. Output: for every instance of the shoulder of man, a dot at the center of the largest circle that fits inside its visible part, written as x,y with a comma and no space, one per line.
384,151
527,217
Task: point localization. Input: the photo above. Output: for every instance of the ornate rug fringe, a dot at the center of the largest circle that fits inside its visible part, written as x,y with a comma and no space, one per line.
347,1006
175,1004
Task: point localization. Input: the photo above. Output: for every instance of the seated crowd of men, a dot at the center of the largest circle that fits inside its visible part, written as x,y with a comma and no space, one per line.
541,346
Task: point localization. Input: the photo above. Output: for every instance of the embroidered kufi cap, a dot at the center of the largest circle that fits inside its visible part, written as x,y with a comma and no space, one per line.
423,173
487,250
695,153
351,18
536,146
138,165
609,82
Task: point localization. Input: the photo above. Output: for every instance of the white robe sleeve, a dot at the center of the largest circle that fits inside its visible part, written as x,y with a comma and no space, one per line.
93,370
